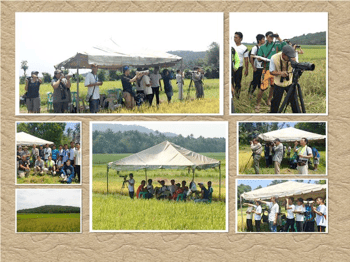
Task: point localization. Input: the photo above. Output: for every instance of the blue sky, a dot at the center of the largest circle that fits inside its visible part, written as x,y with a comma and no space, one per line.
70,125
264,182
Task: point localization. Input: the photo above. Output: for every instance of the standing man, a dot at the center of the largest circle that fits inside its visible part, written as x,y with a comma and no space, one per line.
77,161
180,83
198,76
304,153
280,68
278,155
300,214
93,83
290,208
267,51
273,213
316,157
128,93
145,84
309,220
71,153
32,87
156,86
47,152
61,95
35,153
131,183
235,65
256,149
55,153
243,56
321,214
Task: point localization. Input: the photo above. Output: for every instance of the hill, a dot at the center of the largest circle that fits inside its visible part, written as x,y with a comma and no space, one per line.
123,128
319,38
189,57
50,209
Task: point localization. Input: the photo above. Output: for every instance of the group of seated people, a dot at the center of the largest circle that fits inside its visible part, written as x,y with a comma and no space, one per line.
176,192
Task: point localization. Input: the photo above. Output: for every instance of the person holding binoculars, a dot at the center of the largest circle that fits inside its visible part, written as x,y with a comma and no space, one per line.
61,95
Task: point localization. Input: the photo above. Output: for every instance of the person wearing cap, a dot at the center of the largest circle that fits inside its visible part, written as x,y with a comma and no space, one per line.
267,51
278,155
204,194
61,95
256,149
32,87
128,93
197,77
273,212
156,86
280,68
93,83
304,153
23,167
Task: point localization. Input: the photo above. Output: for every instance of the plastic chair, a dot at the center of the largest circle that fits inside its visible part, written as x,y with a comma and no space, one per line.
142,195
181,197
50,101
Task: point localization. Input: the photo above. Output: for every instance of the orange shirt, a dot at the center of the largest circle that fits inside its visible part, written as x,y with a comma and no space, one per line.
141,188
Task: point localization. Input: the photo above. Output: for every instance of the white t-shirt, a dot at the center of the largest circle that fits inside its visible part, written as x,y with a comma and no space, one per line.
59,163
155,80
91,79
47,153
78,157
179,79
249,216
299,217
320,220
172,189
71,153
146,81
254,50
297,56
291,212
308,151
131,187
274,210
258,210
243,52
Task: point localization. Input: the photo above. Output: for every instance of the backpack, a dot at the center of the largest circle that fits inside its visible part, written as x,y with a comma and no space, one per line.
256,51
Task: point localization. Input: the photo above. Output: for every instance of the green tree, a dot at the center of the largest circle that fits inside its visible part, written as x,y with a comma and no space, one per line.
258,187
24,66
316,127
212,55
46,77
102,75
48,131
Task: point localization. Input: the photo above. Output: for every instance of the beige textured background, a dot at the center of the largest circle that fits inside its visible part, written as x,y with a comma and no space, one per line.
230,246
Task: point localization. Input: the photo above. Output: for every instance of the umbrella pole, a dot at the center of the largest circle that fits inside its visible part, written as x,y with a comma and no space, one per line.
107,178
77,102
242,217
220,181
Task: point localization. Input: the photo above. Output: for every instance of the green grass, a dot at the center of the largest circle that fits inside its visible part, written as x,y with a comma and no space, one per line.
245,153
40,179
48,222
313,85
210,104
117,211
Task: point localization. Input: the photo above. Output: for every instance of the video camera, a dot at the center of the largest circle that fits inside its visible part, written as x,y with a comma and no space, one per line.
302,66
124,177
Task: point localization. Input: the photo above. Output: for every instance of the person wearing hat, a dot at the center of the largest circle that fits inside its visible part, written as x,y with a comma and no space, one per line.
197,77
280,68
278,155
61,95
256,149
93,83
128,93
32,88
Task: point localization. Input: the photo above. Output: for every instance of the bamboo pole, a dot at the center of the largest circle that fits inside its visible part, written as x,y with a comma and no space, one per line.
107,178
242,216
220,180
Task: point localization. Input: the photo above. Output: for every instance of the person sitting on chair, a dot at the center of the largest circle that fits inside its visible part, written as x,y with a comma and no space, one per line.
178,190
163,191
204,194
150,189
141,188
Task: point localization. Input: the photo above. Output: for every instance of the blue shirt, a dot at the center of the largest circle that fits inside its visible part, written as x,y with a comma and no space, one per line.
55,154
205,192
315,153
64,155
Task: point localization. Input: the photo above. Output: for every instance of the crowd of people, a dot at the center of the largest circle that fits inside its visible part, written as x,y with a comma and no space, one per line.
299,217
148,86
274,153
176,192
270,61
63,162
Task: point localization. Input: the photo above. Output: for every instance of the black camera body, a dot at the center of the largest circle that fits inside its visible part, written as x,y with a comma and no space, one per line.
124,177
302,66
298,46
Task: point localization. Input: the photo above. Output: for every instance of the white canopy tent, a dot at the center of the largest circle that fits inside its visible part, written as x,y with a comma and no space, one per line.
23,138
165,155
285,190
290,135
110,55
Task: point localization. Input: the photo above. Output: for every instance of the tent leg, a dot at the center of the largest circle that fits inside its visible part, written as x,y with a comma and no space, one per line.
193,174
242,216
77,102
107,179
145,176
220,181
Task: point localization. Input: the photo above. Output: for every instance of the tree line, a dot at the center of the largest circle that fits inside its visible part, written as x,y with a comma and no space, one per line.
109,142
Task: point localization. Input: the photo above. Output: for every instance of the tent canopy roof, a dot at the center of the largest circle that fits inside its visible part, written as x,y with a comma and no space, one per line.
287,189
23,138
165,155
290,135
110,55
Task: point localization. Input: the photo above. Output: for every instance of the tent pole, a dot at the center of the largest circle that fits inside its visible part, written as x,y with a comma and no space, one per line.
220,180
77,102
242,217
145,176
107,178
193,174
181,72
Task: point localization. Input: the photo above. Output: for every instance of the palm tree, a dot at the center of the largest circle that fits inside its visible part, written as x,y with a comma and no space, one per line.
69,132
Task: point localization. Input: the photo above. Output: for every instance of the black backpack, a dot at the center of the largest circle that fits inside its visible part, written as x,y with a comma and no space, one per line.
256,51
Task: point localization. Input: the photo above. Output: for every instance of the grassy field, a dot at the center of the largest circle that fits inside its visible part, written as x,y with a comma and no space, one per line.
245,153
118,212
313,85
210,104
48,222
40,179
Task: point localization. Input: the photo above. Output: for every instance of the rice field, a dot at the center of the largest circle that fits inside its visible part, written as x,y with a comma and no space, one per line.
41,179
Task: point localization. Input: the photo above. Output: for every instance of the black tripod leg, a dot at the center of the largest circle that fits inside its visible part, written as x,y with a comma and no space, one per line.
301,98
296,102
286,99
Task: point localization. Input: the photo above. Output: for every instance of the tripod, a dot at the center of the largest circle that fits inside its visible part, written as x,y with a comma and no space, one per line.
295,93
248,162
124,185
190,85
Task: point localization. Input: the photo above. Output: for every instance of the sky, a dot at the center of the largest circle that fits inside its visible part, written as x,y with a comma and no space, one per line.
264,183
211,129
287,25
30,198
70,125
46,39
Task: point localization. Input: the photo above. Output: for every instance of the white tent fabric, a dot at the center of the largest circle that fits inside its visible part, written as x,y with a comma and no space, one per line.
165,155
110,55
287,189
23,138
290,135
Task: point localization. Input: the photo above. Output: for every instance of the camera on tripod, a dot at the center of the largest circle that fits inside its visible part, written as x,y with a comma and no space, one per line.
302,66
124,177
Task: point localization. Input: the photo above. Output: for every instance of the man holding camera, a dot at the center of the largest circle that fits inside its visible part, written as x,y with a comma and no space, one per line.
304,153
93,83
273,212
61,95
278,155
256,149
267,51
198,76
32,88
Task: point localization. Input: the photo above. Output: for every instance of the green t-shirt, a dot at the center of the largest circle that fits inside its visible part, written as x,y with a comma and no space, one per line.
266,48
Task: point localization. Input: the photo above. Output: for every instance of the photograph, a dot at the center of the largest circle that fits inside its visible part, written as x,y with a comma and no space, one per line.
48,153
282,206
48,210
286,148
155,63
158,176
279,67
